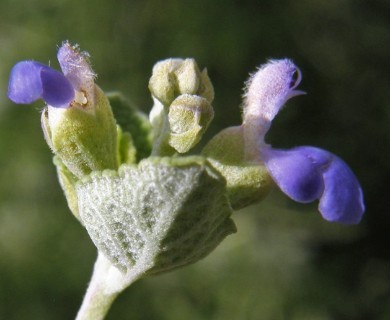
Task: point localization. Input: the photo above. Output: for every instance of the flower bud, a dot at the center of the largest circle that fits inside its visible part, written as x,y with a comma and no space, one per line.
189,116
182,109
173,77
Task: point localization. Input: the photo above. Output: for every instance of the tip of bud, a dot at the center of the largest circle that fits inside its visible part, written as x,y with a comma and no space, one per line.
173,77
189,116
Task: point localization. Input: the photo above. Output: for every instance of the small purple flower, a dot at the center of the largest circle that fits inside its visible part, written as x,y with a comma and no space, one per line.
30,80
304,173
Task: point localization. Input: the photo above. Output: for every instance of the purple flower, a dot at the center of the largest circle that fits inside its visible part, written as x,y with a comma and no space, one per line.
30,80
304,173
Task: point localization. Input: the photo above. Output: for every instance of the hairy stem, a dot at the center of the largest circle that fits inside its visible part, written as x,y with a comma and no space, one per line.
105,285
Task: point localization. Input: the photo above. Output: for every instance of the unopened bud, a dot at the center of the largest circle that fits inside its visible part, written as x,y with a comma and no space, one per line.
189,116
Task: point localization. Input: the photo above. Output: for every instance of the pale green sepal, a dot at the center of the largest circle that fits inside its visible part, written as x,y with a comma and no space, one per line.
67,181
84,138
247,182
189,116
134,122
162,214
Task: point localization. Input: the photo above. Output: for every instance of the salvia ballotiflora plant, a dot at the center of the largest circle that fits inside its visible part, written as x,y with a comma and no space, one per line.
149,206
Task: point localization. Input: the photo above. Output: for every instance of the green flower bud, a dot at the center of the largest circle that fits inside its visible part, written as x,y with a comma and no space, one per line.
173,77
189,116
182,105
188,77
162,83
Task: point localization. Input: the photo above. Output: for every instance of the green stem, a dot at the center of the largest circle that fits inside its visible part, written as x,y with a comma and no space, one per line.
161,131
106,284
161,145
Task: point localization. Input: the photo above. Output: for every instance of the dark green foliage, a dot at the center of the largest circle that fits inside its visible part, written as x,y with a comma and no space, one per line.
134,122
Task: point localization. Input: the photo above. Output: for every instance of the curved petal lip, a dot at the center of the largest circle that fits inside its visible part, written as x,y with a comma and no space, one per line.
295,174
342,200
307,173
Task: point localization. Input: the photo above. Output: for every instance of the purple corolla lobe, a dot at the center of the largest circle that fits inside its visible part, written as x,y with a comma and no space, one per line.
295,173
30,81
306,174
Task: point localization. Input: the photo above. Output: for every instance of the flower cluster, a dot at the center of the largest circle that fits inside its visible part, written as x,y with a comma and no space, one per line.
303,173
147,205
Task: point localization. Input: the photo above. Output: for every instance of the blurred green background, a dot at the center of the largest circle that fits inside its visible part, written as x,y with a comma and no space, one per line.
285,262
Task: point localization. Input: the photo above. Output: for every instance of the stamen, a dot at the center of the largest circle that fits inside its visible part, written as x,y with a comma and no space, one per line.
80,98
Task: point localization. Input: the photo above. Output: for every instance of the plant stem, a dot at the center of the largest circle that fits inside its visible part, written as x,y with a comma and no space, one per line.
105,285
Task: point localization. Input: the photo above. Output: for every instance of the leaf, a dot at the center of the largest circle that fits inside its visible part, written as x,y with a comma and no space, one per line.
67,181
134,122
160,215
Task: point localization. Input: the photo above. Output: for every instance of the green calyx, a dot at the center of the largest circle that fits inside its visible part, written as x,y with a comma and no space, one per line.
246,182
84,140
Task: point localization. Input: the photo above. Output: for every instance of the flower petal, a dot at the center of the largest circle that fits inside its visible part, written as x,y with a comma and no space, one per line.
30,81
295,173
308,173
342,200
76,67
270,87
25,84
57,90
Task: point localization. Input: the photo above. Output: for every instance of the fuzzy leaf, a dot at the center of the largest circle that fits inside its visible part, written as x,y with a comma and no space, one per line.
134,122
160,215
